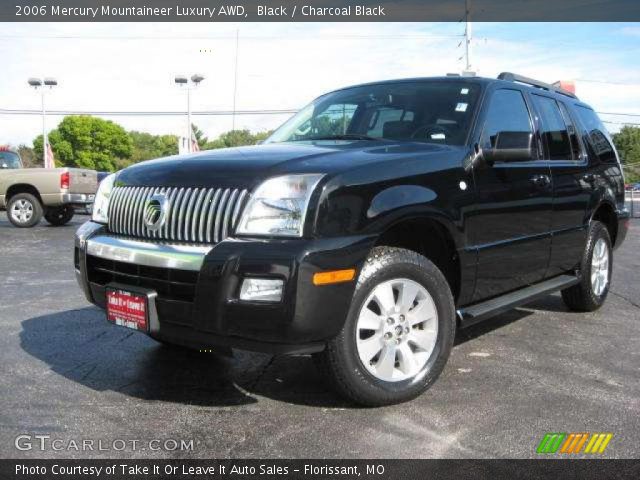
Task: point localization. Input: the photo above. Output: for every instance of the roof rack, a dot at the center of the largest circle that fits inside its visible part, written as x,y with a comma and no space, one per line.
512,77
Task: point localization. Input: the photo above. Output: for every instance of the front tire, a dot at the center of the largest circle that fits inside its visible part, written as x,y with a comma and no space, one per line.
398,333
595,270
24,210
58,216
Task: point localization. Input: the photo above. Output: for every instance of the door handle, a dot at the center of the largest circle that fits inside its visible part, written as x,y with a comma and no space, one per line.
541,180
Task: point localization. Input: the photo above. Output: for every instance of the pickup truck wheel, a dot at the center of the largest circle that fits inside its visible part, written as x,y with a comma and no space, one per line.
398,333
24,210
595,269
58,216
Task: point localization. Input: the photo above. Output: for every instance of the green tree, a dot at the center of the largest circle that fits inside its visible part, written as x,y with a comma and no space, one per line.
88,142
28,157
236,138
199,136
147,146
627,142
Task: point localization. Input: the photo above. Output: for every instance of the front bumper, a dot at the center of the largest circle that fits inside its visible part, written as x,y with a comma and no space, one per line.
196,288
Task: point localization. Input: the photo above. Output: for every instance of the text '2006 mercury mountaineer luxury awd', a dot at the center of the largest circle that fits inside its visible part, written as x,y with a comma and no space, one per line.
365,229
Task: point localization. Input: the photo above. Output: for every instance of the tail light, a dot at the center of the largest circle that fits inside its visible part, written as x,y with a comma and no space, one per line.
65,180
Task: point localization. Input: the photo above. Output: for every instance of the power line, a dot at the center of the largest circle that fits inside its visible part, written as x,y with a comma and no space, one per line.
620,114
5,111
622,123
608,82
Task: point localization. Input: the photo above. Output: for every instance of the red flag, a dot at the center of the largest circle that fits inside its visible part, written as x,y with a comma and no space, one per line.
49,161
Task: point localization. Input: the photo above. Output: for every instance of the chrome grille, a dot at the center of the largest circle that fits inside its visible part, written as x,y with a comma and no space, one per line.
196,215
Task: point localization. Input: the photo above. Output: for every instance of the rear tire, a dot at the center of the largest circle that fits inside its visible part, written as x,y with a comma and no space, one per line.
398,333
596,267
58,216
24,210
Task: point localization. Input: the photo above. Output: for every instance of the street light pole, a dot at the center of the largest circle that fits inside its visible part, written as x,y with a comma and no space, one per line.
45,140
36,83
182,80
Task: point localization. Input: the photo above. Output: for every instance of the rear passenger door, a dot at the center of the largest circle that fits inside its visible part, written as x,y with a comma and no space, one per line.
510,225
572,186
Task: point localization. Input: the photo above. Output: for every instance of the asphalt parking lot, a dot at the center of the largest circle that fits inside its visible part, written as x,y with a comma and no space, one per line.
68,374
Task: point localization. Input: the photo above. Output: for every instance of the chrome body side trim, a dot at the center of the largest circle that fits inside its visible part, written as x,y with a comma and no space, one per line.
181,257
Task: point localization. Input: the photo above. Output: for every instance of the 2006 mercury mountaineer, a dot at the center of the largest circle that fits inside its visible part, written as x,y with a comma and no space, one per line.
365,228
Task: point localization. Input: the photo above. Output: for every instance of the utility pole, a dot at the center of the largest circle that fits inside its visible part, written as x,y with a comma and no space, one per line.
235,81
467,39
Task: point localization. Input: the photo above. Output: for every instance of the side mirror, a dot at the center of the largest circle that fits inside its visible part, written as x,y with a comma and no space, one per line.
4,165
510,147
259,142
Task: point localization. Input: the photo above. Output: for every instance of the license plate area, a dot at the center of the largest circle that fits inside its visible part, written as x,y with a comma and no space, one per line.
128,309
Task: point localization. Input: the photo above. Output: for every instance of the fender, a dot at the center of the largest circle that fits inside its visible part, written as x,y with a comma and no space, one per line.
399,196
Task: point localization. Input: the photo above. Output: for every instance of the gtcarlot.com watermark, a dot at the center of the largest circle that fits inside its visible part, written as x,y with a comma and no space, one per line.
26,442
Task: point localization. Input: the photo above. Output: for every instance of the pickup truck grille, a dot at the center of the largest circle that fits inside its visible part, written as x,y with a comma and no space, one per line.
194,215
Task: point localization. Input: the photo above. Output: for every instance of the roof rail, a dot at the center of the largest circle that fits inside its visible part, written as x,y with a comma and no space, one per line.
512,77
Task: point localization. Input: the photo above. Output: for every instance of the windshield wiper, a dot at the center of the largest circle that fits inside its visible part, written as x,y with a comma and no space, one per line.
342,136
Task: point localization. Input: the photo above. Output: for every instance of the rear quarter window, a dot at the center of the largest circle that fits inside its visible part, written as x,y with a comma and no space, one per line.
596,135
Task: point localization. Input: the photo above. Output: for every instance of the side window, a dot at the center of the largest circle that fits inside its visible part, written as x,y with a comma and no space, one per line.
553,130
596,136
573,132
508,123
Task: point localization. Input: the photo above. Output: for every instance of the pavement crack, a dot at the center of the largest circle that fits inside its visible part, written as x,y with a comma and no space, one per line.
125,337
91,370
625,298
96,337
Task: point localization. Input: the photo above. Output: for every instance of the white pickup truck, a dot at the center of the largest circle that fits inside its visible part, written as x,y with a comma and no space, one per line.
28,194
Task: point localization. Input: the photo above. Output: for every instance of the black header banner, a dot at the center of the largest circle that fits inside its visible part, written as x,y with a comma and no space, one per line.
318,10
120,469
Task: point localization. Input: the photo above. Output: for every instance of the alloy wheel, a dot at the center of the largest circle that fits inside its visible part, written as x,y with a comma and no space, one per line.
396,330
600,267
22,211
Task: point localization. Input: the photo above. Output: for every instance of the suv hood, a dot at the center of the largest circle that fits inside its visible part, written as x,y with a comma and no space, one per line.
245,167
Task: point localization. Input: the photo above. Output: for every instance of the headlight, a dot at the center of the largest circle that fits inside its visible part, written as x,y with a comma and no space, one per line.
101,203
279,206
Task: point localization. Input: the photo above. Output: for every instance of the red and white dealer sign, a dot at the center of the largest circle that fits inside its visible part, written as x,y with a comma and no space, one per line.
127,309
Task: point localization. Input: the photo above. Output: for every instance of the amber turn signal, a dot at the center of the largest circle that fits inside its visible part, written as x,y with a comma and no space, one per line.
334,276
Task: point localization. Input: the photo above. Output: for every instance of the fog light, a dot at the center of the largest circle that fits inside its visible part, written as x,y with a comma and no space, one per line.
261,290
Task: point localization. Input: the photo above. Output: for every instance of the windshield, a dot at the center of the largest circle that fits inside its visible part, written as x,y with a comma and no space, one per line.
9,160
423,111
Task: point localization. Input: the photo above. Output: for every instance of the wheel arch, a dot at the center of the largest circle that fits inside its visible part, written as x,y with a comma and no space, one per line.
606,213
22,188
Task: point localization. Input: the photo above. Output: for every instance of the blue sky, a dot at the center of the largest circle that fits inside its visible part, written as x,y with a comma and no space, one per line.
281,66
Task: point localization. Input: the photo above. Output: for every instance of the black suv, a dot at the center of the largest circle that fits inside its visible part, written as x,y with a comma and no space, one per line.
365,229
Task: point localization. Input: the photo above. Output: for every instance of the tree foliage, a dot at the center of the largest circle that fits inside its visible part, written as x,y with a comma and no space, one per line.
147,146
28,157
236,138
91,142
627,142
87,142
199,136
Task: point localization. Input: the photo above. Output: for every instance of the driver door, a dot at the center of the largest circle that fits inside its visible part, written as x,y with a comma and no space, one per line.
511,223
